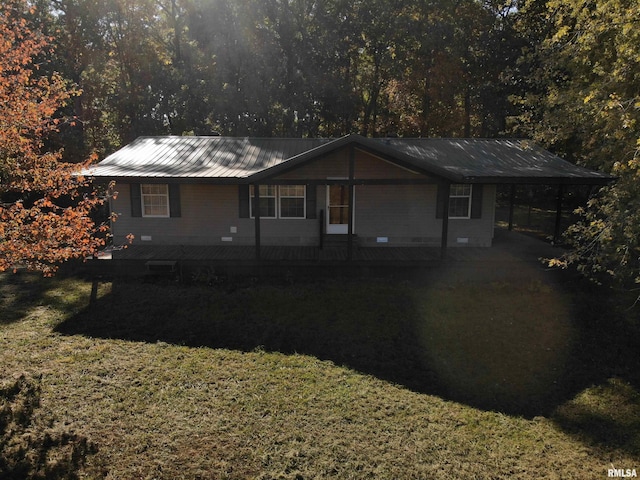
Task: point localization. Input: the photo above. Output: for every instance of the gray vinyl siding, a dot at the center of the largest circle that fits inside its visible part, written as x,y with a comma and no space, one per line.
207,213
371,167
478,232
336,165
210,214
404,215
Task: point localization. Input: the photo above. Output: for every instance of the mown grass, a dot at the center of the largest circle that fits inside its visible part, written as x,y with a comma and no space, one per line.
327,379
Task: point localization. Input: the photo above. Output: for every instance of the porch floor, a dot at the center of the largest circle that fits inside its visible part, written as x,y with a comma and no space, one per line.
513,255
278,254
506,244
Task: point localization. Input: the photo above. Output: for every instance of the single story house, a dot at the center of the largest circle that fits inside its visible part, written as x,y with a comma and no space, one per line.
307,192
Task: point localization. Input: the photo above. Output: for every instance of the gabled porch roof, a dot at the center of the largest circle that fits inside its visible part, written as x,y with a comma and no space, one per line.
232,160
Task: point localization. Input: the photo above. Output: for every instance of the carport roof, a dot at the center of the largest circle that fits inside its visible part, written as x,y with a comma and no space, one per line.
244,160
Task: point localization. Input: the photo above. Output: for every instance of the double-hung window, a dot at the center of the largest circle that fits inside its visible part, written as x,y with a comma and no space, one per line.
292,201
155,200
268,199
279,201
460,201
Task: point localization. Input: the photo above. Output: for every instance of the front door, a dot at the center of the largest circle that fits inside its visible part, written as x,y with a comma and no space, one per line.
338,209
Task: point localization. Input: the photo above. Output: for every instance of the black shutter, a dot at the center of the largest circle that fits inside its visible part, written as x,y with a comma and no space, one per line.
442,200
174,200
311,202
243,201
136,200
476,200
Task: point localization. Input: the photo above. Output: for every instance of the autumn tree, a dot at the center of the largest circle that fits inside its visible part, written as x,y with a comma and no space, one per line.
45,214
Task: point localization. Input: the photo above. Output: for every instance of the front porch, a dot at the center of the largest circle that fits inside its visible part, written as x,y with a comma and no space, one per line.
136,260
282,255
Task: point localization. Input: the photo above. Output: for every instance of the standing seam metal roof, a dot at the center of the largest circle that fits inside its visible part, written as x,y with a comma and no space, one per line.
476,159
461,160
200,157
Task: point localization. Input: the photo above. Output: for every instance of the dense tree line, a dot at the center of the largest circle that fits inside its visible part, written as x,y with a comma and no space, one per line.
563,72
583,101
285,67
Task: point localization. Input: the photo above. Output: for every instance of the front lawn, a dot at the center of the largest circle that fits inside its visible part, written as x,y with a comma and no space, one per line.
326,379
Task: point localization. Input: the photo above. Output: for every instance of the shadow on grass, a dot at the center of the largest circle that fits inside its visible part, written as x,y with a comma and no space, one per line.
368,326
376,327
29,447
18,295
22,293
605,370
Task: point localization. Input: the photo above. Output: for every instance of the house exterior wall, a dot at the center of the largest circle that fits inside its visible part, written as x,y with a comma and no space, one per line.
209,216
474,232
371,167
336,165
396,215
405,215
385,215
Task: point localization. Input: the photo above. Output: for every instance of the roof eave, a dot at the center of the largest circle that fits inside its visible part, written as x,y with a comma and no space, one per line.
524,180
191,180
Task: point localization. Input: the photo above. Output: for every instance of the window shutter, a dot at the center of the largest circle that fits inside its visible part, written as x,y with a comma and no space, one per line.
136,200
243,201
174,200
442,200
311,202
476,200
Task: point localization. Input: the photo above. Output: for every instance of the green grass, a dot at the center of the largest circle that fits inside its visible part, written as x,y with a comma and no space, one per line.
329,379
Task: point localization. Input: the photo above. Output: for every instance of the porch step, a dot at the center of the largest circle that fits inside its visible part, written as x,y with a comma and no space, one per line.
338,240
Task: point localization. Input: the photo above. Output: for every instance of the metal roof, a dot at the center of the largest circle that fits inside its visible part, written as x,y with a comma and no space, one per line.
229,159
200,157
496,160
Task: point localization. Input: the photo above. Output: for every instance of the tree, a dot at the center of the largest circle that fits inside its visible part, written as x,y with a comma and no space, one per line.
586,105
606,241
583,99
46,209
286,67
453,59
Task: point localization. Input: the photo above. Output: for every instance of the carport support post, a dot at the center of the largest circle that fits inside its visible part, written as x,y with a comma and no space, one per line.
256,215
512,201
352,161
557,232
445,220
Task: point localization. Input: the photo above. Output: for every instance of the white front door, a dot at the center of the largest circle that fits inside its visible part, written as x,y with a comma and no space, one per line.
338,210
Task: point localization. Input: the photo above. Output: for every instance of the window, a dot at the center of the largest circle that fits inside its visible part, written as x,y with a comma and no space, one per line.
284,201
267,201
155,200
292,201
460,201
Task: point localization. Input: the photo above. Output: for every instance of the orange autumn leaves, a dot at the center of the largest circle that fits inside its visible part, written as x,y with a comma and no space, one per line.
45,205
